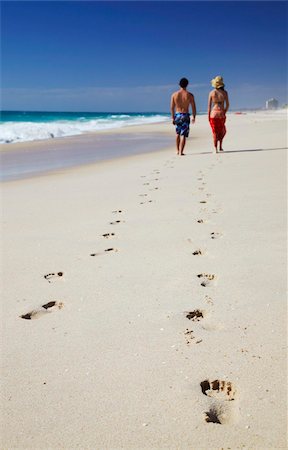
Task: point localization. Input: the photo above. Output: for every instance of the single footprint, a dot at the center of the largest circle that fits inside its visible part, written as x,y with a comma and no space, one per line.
203,201
195,315
107,250
197,252
189,337
146,184
117,211
52,276
201,220
206,278
116,222
108,235
221,392
143,203
143,195
36,313
208,300
215,235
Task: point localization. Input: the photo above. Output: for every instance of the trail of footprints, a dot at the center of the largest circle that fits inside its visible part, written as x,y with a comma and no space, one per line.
150,186
219,393
51,306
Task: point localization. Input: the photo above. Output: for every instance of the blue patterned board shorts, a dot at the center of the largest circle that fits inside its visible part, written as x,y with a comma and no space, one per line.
182,122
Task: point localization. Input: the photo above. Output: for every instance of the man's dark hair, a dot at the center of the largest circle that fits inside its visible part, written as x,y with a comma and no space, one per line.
183,82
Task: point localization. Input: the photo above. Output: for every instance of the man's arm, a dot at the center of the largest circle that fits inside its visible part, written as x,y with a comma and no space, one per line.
193,106
172,108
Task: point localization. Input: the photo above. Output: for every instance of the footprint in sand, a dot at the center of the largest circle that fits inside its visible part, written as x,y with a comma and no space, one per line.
53,276
108,235
203,201
190,338
195,315
117,211
221,392
198,252
143,195
45,309
201,221
208,300
116,222
215,235
206,278
143,203
107,250
199,314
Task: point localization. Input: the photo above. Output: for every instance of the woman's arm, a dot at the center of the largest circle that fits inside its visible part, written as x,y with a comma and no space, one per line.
209,105
227,102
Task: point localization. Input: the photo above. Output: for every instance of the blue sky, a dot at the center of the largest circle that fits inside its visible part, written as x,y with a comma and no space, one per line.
129,56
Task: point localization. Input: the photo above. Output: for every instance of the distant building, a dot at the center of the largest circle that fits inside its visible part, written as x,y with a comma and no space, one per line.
272,103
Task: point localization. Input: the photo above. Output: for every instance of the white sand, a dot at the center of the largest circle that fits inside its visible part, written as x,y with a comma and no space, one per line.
113,368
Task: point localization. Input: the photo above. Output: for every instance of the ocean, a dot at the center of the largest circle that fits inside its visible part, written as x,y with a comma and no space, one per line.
22,126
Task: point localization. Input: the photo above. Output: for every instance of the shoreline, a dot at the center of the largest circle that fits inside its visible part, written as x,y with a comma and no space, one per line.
35,158
47,156
132,128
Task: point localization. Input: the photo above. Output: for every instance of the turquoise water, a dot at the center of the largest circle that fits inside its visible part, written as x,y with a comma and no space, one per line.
21,126
43,116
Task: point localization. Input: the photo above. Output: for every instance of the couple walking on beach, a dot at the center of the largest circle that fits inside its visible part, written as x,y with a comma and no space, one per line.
218,104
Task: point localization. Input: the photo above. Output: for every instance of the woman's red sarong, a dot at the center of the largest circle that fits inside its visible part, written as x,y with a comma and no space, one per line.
218,127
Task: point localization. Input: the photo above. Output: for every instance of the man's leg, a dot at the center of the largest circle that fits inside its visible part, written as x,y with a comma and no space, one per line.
178,143
182,144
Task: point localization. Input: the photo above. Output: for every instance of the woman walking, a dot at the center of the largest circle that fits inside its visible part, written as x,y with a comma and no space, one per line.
218,104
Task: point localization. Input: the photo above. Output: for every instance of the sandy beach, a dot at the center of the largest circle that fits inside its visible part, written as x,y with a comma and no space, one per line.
152,290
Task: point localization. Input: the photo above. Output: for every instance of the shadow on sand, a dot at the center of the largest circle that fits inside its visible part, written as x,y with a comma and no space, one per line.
241,151
255,150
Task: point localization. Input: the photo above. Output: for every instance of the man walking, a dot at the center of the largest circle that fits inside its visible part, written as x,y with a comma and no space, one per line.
181,102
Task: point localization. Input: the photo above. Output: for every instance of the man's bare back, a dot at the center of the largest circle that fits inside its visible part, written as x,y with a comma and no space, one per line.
182,99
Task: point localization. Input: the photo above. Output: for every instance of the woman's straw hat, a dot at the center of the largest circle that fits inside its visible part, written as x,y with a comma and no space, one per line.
217,82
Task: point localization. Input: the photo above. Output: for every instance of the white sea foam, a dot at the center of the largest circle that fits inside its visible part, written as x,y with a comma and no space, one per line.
11,132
